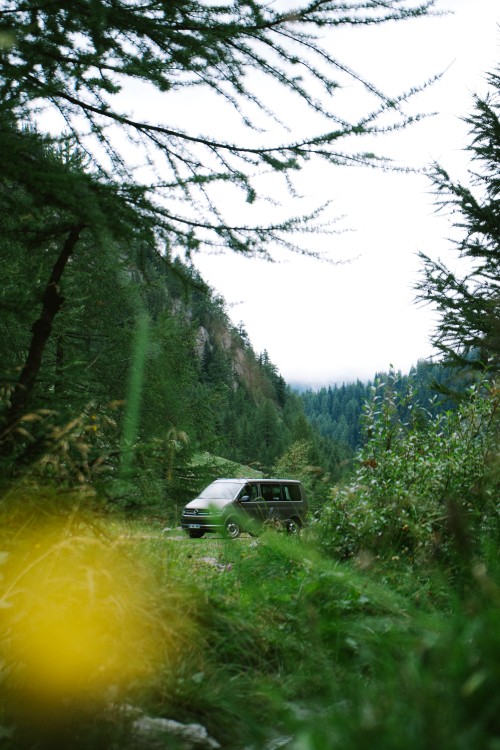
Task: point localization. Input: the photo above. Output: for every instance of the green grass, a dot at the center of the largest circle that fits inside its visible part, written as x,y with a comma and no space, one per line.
297,645
265,638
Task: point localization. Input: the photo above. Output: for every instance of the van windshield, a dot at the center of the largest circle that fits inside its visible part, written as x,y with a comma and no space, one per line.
220,491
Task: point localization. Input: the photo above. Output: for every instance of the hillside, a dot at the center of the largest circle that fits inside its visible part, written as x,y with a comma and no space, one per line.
141,371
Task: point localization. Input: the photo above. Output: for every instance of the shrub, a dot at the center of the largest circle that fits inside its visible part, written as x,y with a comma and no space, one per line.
421,486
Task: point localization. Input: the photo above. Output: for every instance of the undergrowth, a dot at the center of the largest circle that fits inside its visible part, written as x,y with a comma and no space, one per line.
259,640
337,638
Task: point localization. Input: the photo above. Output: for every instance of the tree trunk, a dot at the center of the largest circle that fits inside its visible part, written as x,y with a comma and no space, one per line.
58,382
41,329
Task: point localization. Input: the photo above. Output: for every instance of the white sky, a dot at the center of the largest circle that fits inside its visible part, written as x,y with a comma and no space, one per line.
324,323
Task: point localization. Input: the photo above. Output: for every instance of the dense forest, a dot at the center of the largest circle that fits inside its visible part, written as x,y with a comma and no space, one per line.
203,388
336,411
124,389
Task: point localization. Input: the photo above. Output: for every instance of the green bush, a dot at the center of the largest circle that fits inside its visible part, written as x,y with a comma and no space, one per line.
301,462
422,487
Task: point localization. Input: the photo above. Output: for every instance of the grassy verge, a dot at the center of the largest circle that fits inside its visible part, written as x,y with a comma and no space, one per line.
261,640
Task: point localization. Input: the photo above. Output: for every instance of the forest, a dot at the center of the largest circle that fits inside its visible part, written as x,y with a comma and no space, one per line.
125,389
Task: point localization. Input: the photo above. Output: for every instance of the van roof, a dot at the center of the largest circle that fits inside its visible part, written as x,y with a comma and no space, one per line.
243,480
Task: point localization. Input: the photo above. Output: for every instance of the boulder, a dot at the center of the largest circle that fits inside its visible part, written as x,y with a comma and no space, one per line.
154,734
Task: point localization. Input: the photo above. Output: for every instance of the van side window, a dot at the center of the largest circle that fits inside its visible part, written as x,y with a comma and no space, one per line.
254,491
251,490
293,493
266,492
271,492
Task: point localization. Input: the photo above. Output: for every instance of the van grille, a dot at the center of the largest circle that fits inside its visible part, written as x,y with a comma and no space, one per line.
195,512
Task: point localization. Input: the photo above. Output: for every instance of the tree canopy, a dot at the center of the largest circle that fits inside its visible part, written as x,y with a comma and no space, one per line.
74,69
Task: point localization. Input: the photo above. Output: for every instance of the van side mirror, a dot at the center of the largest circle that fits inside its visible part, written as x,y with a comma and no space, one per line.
244,499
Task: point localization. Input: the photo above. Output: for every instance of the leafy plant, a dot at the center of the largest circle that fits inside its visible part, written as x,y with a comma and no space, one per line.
421,485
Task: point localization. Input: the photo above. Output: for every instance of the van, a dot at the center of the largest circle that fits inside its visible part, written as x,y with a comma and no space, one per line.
232,506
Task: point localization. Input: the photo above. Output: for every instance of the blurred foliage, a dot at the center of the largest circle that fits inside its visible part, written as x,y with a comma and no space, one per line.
83,623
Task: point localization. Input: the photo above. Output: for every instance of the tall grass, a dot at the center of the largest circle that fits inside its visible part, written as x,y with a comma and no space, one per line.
260,640
83,624
295,647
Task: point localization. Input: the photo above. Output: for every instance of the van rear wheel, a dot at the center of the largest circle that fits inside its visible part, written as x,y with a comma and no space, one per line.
293,527
233,528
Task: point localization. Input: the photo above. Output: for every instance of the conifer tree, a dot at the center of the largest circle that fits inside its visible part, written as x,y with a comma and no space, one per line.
49,207
468,330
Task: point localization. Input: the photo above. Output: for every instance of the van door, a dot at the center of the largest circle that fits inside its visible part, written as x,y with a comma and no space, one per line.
254,506
292,501
272,494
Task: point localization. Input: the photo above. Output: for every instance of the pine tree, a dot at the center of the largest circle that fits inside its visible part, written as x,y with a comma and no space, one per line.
468,330
52,208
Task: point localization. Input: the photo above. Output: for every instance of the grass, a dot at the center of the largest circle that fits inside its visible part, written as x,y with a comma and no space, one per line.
258,639
384,655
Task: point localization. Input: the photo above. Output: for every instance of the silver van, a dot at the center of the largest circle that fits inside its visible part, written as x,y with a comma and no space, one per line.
235,505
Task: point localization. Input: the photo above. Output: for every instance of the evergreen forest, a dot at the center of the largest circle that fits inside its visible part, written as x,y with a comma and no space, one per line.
336,412
125,389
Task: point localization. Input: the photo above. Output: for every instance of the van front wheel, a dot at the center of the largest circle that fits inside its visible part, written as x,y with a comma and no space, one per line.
293,527
233,528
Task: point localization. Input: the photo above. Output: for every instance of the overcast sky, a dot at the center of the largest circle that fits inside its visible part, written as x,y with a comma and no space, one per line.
324,323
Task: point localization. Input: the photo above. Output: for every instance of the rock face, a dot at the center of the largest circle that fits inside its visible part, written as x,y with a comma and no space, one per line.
202,339
160,734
